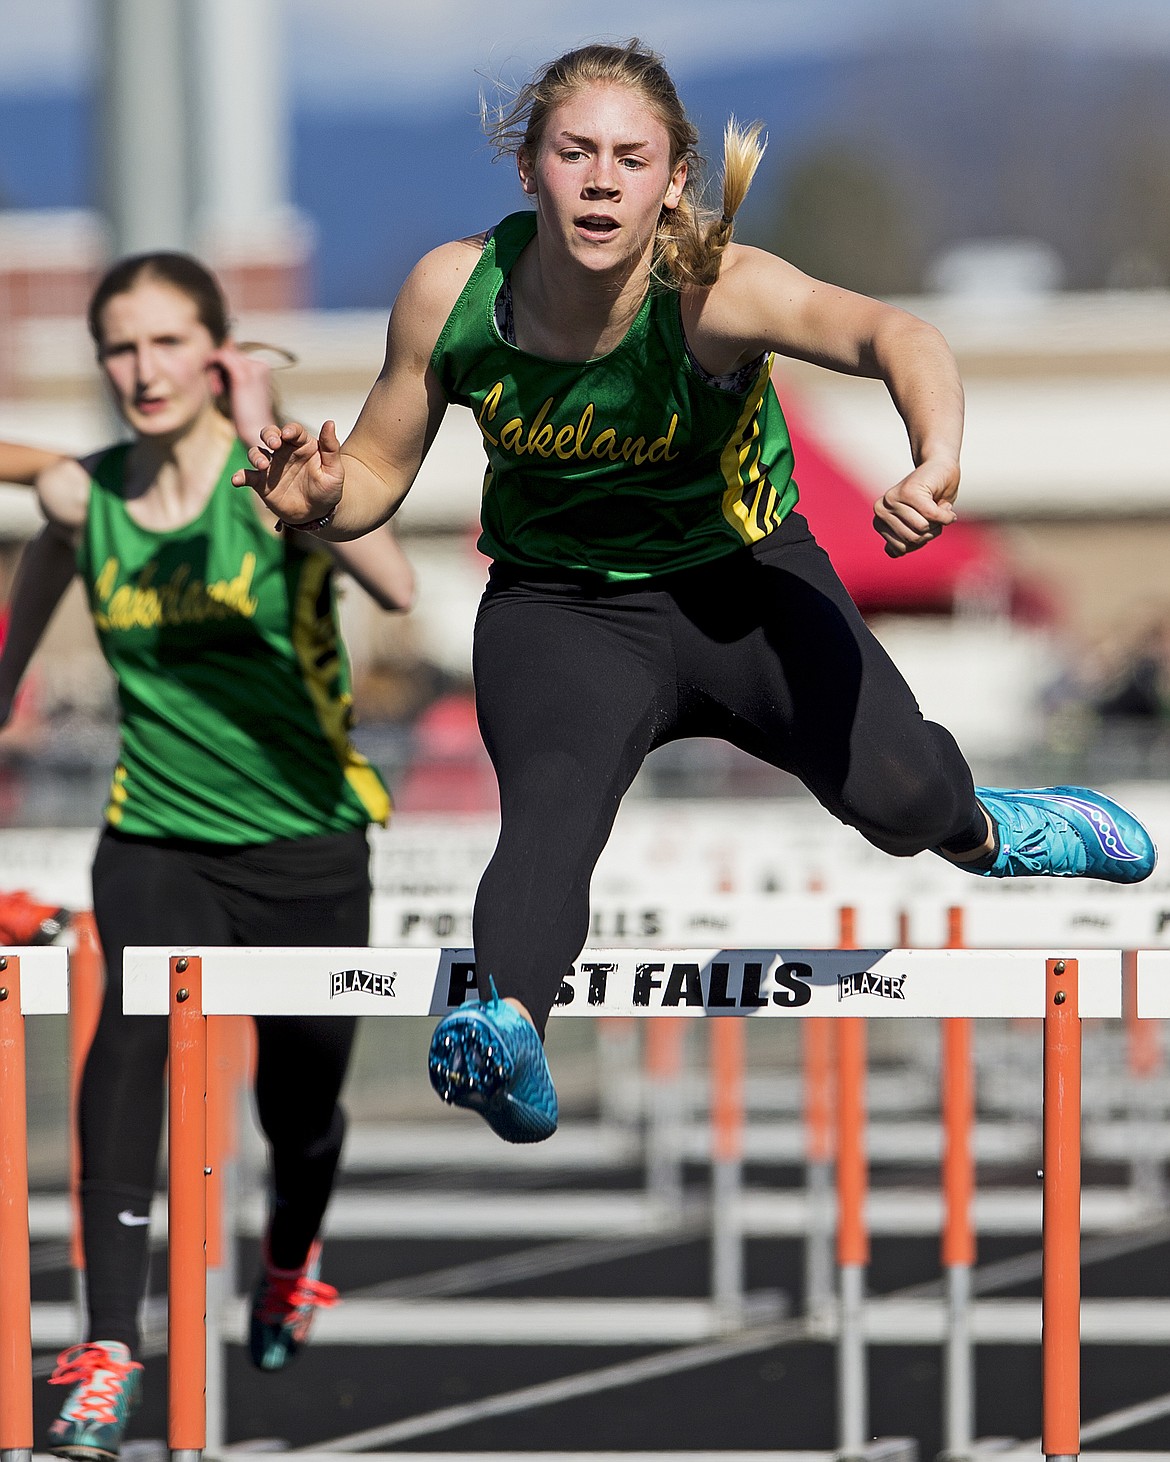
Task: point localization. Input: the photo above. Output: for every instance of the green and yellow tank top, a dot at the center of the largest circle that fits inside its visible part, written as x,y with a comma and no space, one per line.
631,465
232,678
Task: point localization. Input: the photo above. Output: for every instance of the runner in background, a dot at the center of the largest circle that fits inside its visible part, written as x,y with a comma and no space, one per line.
238,811
651,577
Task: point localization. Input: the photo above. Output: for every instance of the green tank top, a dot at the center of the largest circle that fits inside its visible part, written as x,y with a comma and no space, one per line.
232,677
630,465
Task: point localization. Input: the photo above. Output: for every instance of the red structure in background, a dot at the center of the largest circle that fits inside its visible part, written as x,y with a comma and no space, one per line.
965,563
450,770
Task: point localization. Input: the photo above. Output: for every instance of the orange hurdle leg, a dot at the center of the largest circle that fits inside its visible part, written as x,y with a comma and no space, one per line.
85,1004
16,1414
187,1334
852,1234
1143,1038
1061,1336
958,1237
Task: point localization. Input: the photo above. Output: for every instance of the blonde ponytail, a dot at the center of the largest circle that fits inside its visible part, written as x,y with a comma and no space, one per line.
691,243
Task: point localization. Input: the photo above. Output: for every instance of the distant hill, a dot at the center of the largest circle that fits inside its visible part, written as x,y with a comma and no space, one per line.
1070,149
1060,146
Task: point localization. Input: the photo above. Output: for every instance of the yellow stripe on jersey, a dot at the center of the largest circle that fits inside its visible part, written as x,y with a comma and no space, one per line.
315,641
118,795
749,503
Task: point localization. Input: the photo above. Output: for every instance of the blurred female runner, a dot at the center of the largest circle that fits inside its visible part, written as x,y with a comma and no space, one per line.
651,578
238,809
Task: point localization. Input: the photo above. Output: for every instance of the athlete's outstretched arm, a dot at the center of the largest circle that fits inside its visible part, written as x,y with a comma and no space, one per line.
303,478
762,303
46,567
20,464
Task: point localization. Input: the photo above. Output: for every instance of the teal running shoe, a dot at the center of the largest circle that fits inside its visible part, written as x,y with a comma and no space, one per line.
283,1305
1066,832
106,1385
489,1058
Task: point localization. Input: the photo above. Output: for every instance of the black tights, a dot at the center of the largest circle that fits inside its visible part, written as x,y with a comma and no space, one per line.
307,892
576,682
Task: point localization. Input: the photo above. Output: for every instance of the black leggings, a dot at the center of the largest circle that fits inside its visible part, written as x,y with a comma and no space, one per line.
576,682
313,891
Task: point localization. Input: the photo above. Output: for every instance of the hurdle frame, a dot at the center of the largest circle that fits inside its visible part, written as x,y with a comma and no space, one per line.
958,1247
191,984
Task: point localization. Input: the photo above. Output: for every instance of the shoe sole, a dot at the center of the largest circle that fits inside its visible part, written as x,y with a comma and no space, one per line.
518,1122
469,1065
84,1454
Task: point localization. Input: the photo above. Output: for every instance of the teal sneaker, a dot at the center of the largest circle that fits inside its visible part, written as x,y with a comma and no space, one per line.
283,1305
489,1058
106,1385
1066,832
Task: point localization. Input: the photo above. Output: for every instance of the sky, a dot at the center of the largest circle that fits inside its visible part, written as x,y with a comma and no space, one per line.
390,50
346,55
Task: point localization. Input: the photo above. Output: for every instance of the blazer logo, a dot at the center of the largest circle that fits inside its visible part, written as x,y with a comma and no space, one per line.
366,982
865,982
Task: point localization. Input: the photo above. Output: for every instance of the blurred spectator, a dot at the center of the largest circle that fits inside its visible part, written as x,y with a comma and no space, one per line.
1137,683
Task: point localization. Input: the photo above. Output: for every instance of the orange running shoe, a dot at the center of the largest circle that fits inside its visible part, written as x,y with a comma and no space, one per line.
283,1304
106,1385
25,920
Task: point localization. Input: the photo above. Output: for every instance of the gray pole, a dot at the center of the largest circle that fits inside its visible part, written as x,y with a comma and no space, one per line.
852,1411
144,144
241,148
958,1367
241,212
727,1257
818,1240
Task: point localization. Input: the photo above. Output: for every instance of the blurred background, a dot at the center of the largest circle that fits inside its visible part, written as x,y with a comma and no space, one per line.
1004,170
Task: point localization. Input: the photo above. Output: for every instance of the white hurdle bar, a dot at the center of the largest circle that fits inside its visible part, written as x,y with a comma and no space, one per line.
33,981
1061,987
1153,984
